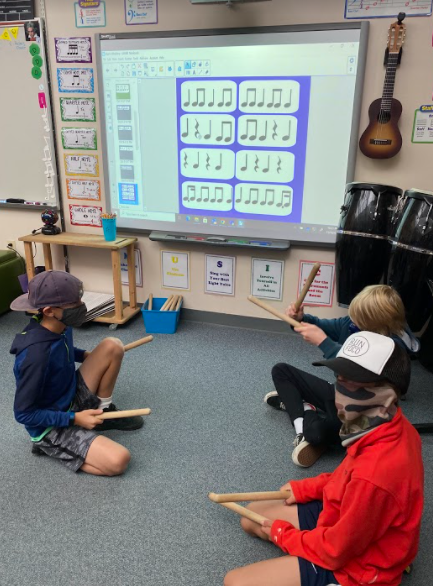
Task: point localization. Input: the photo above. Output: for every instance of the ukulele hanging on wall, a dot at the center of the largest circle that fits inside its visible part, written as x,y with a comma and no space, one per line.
382,139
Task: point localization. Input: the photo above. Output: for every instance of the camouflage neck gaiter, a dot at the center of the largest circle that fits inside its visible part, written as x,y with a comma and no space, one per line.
361,410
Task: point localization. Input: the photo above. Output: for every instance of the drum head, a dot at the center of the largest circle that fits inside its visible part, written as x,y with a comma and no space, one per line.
418,194
373,187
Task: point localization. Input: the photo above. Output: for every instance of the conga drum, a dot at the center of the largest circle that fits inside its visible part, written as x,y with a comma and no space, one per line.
411,263
363,249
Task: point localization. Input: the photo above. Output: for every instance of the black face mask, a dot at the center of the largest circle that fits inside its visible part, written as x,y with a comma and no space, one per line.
74,316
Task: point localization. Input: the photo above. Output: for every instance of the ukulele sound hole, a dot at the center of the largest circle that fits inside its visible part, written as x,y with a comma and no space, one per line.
380,141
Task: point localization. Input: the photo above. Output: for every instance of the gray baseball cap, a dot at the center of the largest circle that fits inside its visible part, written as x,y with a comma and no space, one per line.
49,289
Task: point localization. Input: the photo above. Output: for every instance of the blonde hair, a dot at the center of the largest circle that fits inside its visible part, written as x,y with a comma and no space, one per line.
379,309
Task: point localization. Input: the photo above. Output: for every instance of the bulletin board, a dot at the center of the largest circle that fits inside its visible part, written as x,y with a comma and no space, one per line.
27,148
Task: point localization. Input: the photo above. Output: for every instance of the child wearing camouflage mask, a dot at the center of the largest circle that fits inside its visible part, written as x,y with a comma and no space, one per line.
361,523
58,404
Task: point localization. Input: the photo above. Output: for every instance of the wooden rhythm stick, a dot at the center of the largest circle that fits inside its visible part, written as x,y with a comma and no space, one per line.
164,307
137,343
269,308
127,413
179,303
172,303
234,497
149,307
307,285
243,512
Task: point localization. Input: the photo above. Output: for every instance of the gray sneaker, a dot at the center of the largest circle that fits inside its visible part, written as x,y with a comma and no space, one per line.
305,454
123,423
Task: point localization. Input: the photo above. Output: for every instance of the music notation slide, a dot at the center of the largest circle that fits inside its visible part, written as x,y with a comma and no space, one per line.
267,166
200,195
217,129
207,163
274,96
268,131
269,200
209,96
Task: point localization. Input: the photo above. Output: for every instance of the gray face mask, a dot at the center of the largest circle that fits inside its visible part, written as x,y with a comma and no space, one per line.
74,316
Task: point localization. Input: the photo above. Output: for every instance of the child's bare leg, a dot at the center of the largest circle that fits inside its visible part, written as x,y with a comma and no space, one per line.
106,458
272,510
282,571
101,367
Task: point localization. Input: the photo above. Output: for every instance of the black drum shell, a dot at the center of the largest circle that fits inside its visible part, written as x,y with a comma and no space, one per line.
360,261
409,272
415,226
369,208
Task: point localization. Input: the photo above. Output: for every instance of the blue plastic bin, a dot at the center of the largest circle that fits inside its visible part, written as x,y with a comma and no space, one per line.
160,322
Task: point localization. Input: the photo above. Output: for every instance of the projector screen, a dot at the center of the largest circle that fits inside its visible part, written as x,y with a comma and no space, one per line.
233,132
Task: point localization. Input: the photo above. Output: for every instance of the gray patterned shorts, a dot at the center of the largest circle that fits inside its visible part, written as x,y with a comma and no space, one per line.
71,444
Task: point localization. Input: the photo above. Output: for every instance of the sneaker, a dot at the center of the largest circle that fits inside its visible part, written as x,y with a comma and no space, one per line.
123,423
305,454
273,400
36,451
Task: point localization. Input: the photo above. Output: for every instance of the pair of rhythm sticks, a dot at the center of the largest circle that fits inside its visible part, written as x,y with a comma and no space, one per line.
229,500
298,302
172,304
129,412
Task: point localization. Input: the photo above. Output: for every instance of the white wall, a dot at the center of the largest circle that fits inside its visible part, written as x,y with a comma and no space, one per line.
411,168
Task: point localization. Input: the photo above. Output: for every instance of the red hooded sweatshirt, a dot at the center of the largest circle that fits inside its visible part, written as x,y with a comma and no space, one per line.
368,531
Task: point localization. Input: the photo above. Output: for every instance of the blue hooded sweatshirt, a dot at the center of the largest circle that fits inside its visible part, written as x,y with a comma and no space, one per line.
339,329
46,378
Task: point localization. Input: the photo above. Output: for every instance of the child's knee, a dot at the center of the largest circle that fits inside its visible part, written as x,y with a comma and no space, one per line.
119,462
231,579
276,370
114,347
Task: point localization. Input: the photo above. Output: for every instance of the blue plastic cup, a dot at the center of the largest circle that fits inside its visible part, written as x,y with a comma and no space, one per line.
109,227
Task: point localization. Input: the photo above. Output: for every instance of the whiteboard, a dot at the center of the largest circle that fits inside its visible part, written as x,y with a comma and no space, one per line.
27,149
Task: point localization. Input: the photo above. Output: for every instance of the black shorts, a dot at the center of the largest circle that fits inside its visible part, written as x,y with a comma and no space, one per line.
311,574
70,445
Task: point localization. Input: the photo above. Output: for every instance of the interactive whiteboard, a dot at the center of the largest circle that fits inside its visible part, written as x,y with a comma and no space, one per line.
233,132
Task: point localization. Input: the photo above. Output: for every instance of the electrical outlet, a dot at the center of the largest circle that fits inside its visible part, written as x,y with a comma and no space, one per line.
11,244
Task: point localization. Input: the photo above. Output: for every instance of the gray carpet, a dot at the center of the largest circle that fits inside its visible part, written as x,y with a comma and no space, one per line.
209,431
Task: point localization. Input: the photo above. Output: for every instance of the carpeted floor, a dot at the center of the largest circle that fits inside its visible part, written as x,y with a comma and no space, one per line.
209,431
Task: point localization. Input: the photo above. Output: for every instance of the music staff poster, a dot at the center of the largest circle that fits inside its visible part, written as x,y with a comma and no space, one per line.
83,189
78,109
388,9
81,165
77,81
85,215
242,146
79,138
73,49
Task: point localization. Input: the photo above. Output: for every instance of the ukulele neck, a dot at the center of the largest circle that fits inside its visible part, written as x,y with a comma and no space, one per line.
388,85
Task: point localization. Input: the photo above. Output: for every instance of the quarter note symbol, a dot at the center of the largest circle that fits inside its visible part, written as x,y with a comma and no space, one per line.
187,102
196,165
239,197
275,104
266,169
186,132
287,136
199,101
212,102
253,134
288,195
219,190
245,167
226,101
250,101
262,101
265,134
218,167
289,103
206,189
208,134
228,126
